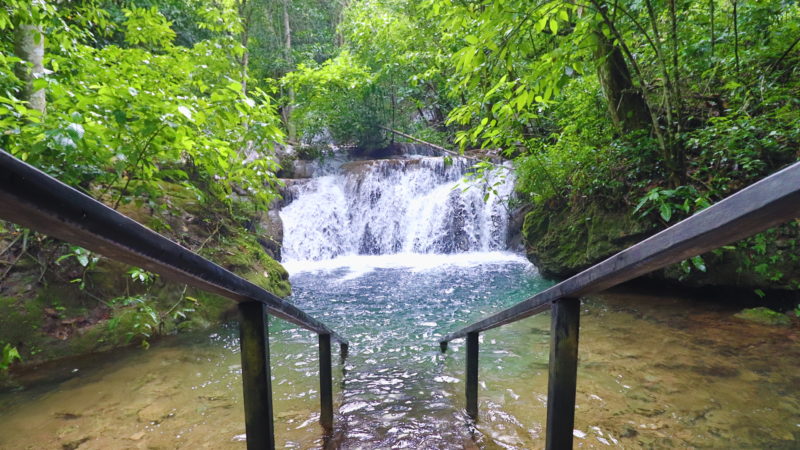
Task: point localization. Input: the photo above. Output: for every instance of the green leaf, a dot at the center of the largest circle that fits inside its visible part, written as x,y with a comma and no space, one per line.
83,259
185,111
554,26
698,263
666,212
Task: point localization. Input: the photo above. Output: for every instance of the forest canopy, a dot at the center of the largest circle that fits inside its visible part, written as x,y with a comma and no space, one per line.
696,98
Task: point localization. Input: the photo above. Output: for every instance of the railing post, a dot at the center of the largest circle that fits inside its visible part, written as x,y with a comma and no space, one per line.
472,375
256,377
325,383
564,324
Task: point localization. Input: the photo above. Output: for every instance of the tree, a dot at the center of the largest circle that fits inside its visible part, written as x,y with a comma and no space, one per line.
29,47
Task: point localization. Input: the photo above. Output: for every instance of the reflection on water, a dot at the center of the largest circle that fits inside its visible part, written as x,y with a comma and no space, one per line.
654,372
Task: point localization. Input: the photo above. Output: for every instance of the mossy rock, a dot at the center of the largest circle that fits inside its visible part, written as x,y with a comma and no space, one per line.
561,241
243,255
30,312
764,316
564,241
21,324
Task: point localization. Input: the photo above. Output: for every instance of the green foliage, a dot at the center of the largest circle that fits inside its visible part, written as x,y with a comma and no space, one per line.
142,275
394,52
147,28
8,355
693,263
123,119
145,318
666,202
520,65
336,98
86,259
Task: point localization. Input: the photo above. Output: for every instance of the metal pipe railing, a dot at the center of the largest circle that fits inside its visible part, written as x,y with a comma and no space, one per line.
769,202
33,199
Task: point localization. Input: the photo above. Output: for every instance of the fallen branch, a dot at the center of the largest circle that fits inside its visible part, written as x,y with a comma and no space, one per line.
783,56
437,147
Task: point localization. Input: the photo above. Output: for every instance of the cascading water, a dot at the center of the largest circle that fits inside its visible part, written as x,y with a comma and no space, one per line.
390,249
379,207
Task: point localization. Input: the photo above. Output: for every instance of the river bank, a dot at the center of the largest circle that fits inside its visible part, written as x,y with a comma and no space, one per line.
563,239
59,301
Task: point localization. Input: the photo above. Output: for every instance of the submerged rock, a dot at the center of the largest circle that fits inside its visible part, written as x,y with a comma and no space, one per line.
764,316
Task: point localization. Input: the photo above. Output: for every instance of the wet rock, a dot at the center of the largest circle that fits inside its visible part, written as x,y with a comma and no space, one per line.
716,371
136,436
358,169
514,239
270,233
303,169
369,243
764,316
562,241
396,149
456,239
72,445
564,237
155,413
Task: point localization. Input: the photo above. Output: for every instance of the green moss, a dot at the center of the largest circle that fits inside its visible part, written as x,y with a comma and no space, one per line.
764,316
21,324
244,256
563,241
223,239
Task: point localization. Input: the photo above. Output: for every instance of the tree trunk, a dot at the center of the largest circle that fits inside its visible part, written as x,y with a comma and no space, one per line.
287,41
338,39
29,46
735,4
626,105
713,36
245,13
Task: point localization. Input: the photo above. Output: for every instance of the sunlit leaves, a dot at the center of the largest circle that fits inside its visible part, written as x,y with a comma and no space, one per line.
123,120
147,27
511,64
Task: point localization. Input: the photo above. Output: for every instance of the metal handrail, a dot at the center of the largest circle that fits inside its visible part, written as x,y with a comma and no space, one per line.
33,199
769,202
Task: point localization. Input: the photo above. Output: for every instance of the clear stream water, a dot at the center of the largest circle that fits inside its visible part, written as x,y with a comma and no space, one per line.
655,371
393,255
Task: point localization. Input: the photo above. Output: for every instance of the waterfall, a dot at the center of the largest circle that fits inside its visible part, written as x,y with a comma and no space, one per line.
388,206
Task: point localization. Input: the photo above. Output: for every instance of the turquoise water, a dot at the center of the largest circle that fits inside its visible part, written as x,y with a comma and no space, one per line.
398,392
656,370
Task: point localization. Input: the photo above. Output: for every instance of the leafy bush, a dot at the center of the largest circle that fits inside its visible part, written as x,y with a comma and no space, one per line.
120,119
8,356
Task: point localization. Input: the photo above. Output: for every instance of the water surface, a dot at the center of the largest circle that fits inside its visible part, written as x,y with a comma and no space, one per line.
655,371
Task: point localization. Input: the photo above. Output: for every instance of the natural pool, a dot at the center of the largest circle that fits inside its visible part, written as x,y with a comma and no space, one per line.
655,371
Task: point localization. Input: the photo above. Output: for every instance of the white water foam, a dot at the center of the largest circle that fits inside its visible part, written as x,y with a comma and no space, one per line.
357,265
409,206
